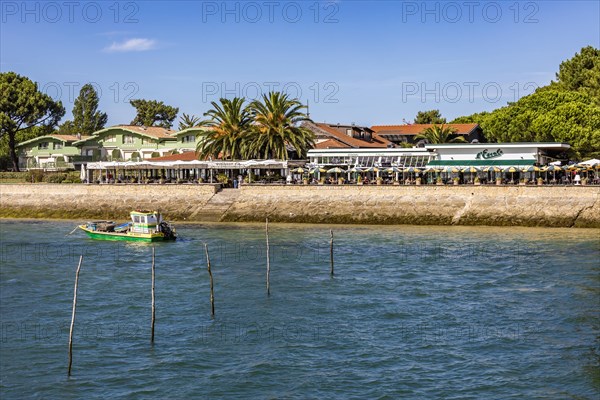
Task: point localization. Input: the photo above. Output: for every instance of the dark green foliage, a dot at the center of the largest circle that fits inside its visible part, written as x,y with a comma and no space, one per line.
153,113
263,129
429,117
276,129
35,176
23,106
582,73
86,117
229,124
439,134
565,111
189,121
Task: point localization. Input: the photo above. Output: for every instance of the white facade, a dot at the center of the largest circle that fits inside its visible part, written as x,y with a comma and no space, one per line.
495,153
379,157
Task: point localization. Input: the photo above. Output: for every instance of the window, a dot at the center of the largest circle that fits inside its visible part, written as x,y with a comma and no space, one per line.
188,139
128,139
145,140
43,146
110,139
58,146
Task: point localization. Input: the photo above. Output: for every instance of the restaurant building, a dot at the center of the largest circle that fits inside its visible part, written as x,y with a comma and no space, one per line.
496,154
442,155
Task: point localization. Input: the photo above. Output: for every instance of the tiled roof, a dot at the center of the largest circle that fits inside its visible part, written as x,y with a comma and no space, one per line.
69,138
350,141
185,156
330,144
154,131
63,138
415,129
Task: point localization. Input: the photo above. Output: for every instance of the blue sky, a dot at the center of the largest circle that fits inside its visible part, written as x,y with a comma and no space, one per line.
375,62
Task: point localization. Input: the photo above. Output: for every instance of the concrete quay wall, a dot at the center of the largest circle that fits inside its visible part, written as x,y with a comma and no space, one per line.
553,206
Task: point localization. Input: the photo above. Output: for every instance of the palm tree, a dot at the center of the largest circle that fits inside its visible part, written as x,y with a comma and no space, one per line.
276,128
227,129
437,134
188,121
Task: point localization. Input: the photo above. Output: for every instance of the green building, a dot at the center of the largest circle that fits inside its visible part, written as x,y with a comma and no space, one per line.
51,152
128,143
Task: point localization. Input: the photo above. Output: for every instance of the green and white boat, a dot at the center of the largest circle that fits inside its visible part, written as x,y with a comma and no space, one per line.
145,226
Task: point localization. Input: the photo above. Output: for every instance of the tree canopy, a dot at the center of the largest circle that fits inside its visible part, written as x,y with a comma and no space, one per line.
429,117
188,121
153,113
86,117
22,107
564,111
261,129
228,125
437,134
276,127
582,73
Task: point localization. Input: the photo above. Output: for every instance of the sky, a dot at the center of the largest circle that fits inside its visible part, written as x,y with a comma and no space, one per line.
363,62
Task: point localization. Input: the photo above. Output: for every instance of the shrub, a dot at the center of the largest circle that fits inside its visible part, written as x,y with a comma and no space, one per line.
35,175
74,177
14,175
55,178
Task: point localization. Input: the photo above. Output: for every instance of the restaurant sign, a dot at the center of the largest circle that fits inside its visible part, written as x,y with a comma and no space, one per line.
486,155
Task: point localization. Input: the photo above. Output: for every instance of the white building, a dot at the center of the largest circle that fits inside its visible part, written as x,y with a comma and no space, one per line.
496,154
442,155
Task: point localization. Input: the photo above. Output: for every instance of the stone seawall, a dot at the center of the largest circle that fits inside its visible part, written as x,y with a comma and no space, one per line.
555,206
76,201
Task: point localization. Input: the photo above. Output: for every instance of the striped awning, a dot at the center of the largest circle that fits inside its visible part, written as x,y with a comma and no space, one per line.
480,163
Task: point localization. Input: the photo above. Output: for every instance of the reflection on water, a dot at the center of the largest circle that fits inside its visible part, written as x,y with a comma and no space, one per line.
412,312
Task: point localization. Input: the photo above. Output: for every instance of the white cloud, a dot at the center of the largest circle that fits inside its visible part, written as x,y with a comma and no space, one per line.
138,44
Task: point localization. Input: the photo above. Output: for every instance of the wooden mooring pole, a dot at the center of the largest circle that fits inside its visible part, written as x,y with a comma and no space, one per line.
268,259
331,252
73,315
153,298
212,292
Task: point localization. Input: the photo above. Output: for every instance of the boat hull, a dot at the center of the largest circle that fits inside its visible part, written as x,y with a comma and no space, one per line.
129,236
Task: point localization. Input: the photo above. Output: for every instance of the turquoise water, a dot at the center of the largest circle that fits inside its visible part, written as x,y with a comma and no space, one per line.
412,312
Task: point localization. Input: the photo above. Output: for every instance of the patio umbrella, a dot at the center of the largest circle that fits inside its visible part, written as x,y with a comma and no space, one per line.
531,168
336,170
493,169
412,169
431,170
312,171
82,176
512,170
453,170
450,170
553,169
471,171
299,170
395,170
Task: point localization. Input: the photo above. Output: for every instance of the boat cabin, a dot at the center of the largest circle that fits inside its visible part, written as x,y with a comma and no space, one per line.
145,221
